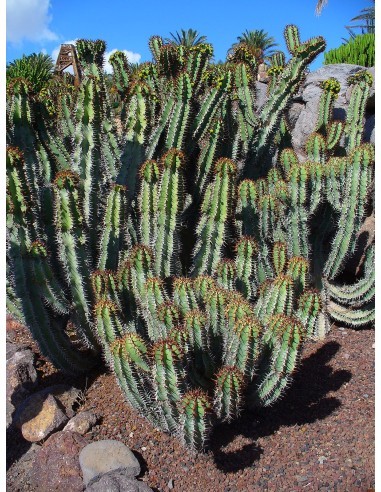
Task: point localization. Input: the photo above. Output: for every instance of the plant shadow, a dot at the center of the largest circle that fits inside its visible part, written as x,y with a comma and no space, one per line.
305,402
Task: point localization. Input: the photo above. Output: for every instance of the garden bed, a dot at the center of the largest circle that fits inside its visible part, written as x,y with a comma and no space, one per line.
320,436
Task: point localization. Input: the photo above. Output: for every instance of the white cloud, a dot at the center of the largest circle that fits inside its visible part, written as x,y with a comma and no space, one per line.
29,20
132,58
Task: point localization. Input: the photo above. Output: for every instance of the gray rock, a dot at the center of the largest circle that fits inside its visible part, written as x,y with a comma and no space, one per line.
303,112
21,377
103,456
116,481
294,113
82,422
260,94
369,129
9,409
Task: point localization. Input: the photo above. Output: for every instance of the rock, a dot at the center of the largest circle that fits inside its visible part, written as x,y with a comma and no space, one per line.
302,478
46,411
30,454
21,376
82,422
24,468
103,456
170,484
369,129
262,73
116,481
294,113
56,464
65,395
9,409
303,112
260,95
39,417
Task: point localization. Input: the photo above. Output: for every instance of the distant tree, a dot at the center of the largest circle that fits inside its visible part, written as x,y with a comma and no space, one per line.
186,38
36,68
257,40
367,19
367,15
319,6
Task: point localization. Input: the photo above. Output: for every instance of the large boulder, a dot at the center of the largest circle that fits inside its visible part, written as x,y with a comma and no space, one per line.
302,114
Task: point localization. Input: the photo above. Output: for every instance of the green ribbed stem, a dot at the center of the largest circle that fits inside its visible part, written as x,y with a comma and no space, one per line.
197,327
184,295
73,250
216,210
283,340
247,208
309,309
169,207
279,257
166,356
331,89
353,130
113,234
119,63
195,419
179,120
351,207
244,348
228,393
246,250
147,201
52,340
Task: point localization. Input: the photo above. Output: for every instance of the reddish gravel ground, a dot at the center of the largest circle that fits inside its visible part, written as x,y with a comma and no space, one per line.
320,437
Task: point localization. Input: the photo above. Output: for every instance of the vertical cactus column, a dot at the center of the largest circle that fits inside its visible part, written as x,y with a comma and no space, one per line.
170,204
215,213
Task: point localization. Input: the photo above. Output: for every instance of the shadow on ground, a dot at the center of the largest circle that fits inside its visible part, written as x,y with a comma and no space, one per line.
305,402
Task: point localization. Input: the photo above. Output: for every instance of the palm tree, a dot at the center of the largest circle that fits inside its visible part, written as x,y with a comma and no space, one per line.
186,38
36,68
320,5
257,40
367,15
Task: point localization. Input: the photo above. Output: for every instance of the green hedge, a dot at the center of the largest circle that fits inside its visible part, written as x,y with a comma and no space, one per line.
358,51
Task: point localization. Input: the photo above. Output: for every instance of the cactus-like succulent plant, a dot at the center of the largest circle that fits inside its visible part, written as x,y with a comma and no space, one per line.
171,244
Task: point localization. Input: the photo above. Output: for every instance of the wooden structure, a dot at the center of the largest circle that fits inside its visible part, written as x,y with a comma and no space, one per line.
67,57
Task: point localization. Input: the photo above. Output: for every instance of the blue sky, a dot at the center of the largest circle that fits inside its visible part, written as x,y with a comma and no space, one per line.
42,25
